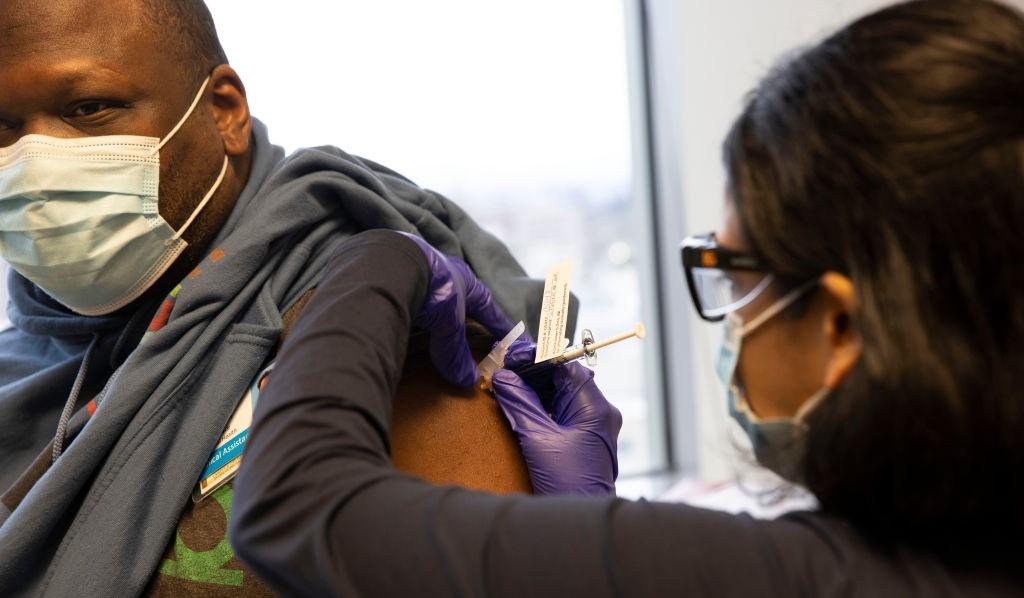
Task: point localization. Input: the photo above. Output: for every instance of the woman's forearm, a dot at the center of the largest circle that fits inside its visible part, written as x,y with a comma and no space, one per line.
320,432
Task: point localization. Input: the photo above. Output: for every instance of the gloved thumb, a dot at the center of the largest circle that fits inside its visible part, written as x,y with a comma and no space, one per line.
519,403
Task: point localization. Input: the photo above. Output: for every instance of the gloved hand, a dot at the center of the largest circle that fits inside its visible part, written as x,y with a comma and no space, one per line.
453,294
573,450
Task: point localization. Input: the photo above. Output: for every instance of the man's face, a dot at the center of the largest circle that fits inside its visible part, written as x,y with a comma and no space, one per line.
79,68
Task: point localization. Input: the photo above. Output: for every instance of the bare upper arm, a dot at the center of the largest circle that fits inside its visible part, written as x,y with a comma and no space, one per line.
443,434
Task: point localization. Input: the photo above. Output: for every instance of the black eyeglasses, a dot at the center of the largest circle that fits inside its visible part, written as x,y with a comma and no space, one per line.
721,280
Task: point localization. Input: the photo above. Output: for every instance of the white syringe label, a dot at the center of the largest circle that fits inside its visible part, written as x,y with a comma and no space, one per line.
554,311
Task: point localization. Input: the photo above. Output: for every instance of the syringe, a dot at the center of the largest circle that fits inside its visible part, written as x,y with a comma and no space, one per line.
584,349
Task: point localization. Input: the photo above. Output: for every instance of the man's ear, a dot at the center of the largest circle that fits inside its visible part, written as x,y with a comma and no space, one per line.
840,332
230,109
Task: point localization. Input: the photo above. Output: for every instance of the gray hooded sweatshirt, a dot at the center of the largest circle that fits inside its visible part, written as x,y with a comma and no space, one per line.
98,521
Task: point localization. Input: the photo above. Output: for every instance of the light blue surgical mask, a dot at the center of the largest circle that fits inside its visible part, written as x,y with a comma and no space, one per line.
80,218
778,443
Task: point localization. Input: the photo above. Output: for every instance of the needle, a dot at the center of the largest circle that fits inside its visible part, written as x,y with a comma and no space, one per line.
582,350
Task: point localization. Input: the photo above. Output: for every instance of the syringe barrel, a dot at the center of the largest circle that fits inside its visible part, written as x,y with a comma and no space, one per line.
536,368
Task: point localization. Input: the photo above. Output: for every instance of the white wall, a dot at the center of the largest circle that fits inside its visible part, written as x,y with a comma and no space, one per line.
707,56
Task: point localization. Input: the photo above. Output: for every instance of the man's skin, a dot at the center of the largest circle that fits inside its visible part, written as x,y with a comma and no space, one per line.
81,68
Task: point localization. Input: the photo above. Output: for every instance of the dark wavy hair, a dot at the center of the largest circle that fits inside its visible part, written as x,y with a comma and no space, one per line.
893,153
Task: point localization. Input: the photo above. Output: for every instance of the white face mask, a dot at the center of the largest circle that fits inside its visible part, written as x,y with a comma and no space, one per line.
778,443
80,218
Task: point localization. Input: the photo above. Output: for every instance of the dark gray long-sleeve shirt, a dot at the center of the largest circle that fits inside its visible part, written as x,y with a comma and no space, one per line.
319,510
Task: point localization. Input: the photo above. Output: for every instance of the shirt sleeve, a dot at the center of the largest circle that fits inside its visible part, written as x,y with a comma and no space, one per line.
319,510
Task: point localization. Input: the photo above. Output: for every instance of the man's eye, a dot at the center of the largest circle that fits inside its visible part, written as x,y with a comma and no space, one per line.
86,109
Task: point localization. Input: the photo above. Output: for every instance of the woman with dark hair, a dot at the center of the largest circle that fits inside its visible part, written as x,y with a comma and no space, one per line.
869,281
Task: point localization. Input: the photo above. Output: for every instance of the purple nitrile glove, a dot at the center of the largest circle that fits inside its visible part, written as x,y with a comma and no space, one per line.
453,294
574,449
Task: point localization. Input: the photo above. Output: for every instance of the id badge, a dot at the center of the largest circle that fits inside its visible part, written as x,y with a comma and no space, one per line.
227,457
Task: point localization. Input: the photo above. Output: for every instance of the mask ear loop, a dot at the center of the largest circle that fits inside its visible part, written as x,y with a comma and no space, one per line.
220,177
202,204
814,400
789,299
777,308
809,405
184,119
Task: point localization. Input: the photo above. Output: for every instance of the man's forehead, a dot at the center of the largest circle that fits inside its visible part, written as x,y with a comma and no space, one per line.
58,26
62,40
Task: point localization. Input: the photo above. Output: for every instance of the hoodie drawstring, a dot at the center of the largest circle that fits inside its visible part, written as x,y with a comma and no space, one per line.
69,406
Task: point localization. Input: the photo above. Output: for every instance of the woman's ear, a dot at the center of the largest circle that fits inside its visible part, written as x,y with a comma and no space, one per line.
840,331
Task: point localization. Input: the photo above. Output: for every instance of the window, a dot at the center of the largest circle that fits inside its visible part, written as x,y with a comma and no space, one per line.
518,111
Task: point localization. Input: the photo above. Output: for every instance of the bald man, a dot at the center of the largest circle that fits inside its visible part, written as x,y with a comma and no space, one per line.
159,242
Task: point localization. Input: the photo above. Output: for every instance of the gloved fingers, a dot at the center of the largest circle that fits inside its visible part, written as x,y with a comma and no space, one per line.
610,440
569,380
579,402
490,315
520,404
521,353
434,257
580,405
448,347
453,360
443,314
441,295
544,481
480,304
598,483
